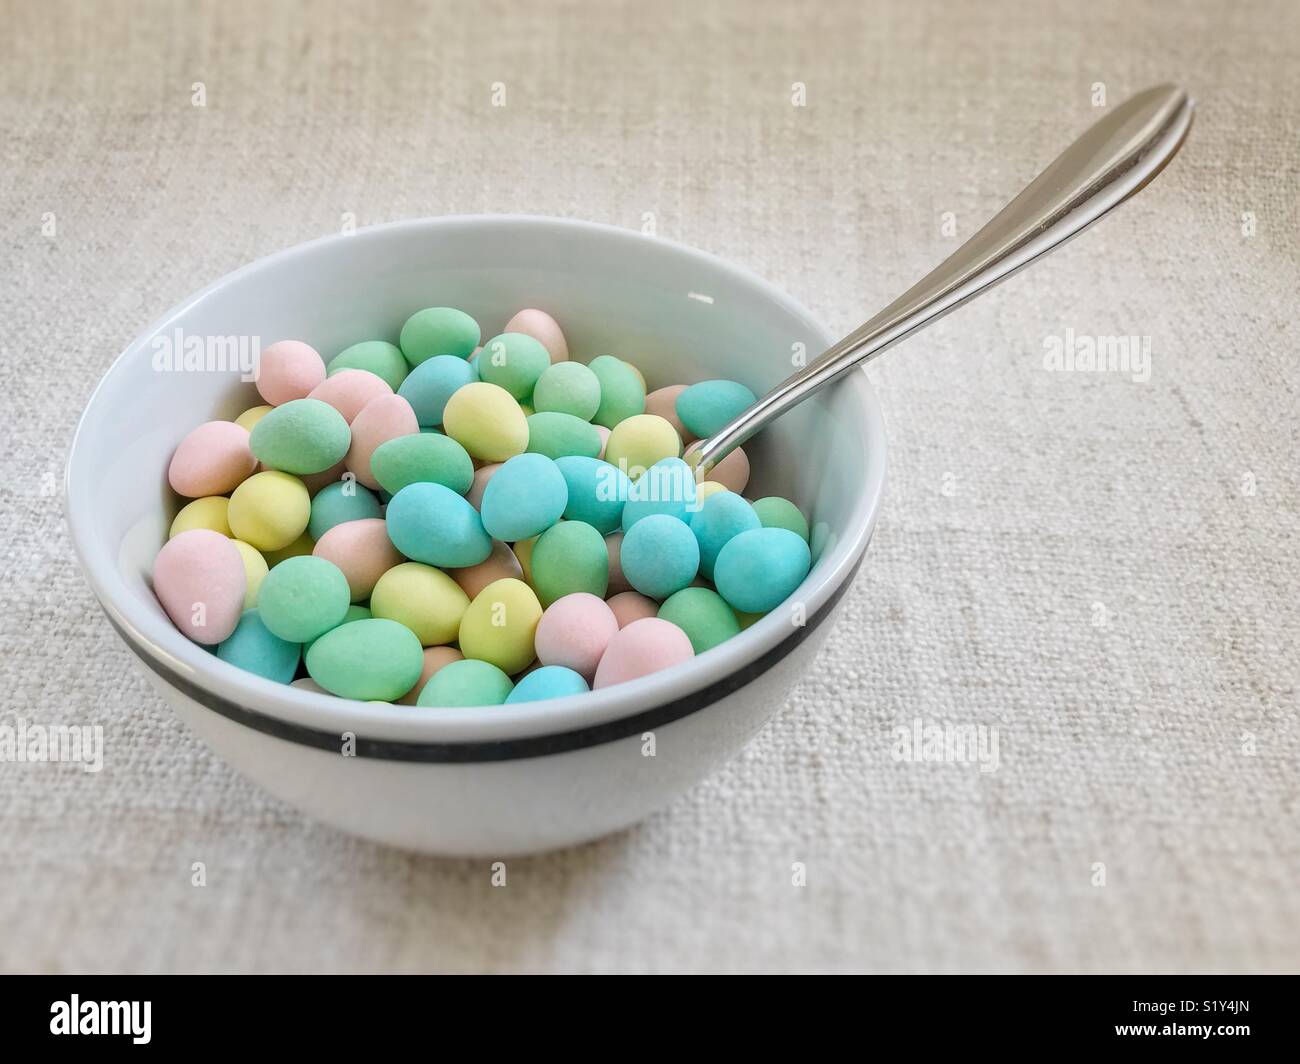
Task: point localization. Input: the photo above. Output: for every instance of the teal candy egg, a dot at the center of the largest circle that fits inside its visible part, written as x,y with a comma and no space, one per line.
301,436
659,555
667,487
303,597
705,407
597,491
428,387
337,503
550,681
468,682
255,648
524,498
722,516
758,570
430,523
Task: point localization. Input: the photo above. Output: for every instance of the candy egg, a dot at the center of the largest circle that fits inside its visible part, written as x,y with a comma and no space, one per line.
660,555
362,551
349,390
617,581
574,632
269,510
704,492
368,660
255,648
424,599
663,402
212,513
341,501
500,624
379,357
303,598
568,388
705,407
428,387
622,393
568,558
667,487
597,490
199,578
288,370
550,681
424,456
301,436
486,421
430,523
559,435
629,606
776,512
638,442
603,433
299,548
525,497
482,475
541,326
759,569
212,459
722,516
387,418
313,482
438,331
501,564
514,362
255,570
466,683
643,647
732,472
703,615
523,551
252,416
434,659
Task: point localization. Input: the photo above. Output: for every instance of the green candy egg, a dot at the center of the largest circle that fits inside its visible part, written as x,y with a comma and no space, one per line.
559,435
375,356
568,388
337,503
622,395
567,558
514,362
301,436
466,683
703,615
422,457
370,660
302,598
438,331
776,512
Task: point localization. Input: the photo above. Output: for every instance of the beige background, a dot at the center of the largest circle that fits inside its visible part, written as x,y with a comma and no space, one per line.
1019,498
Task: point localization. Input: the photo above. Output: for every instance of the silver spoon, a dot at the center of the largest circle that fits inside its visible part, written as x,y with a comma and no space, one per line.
1113,160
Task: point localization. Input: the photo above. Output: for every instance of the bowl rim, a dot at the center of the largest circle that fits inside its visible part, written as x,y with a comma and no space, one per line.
470,734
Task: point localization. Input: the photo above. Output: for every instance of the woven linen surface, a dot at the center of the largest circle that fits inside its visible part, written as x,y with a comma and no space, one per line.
1102,568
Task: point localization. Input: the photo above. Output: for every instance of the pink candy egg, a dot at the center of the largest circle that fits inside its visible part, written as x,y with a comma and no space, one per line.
200,580
629,606
434,659
643,647
316,481
543,328
499,565
212,459
663,401
732,472
482,475
349,390
574,632
603,433
288,370
614,548
362,550
380,420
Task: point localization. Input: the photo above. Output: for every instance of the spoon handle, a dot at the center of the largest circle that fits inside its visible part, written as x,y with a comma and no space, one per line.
1112,161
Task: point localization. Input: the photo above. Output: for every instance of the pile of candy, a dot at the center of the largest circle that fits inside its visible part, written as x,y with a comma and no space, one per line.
441,524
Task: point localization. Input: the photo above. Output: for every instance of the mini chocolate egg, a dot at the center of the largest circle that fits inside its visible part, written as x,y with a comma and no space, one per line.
434,659
759,569
776,512
567,388
723,516
663,402
501,564
212,513
703,615
362,551
252,416
430,523
513,361
668,487
379,357
256,649
301,436
629,606
482,475
541,326
568,558
438,331
369,660
524,498
386,418
732,472
638,442
558,435
269,510
424,599
574,632
344,500
485,420
428,387
660,555
614,548
288,370
622,392
597,491
550,681
198,576
705,407
423,457
213,459
468,682
303,598
500,624
349,390
643,647
255,570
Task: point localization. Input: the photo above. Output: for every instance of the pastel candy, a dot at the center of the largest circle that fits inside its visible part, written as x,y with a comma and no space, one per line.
574,632
430,523
381,420
541,326
313,482
568,558
486,421
523,551
434,659
301,436
550,681
424,599
482,475
299,548
759,569
303,598
622,392
525,497
288,370
466,683
637,443
362,551
422,457
776,512
597,490
723,515
557,435
617,581
252,416
499,565
663,402
212,459
199,579
269,510
500,624
349,390
255,570
704,492
379,357
629,606
255,648
703,615
428,387
567,388
513,361
438,331
706,407
342,501
667,487
643,647
369,660
603,433
212,513
660,555
732,472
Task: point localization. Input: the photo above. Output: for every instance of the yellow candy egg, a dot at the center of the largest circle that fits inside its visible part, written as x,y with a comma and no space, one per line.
500,624
252,416
255,569
524,552
703,491
426,600
269,510
211,512
638,442
304,544
485,419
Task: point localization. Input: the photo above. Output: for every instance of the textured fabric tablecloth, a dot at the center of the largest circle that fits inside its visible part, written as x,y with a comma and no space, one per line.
1100,565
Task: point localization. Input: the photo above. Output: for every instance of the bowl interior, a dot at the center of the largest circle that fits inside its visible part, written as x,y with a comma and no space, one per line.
681,316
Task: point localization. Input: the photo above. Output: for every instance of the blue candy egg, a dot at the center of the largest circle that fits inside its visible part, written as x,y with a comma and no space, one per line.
706,407
667,487
597,492
430,523
758,570
252,647
340,502
524,498
722,516
550,681
428,387
660,555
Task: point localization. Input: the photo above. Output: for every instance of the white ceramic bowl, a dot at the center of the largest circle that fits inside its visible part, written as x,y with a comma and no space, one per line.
511,779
